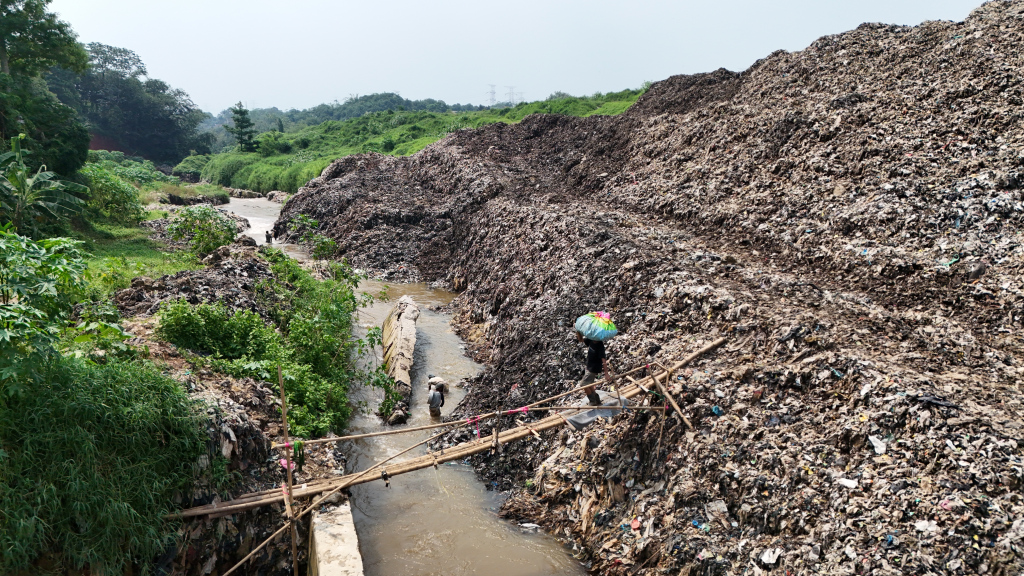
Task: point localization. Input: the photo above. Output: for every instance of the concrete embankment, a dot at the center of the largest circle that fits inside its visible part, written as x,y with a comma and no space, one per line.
334,545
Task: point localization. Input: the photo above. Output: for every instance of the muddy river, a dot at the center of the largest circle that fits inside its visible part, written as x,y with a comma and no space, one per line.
431,522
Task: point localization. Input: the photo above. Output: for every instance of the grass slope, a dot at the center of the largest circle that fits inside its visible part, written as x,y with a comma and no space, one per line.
287,161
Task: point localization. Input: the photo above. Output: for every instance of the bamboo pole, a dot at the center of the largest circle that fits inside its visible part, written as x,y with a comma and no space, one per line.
325,497
454,453
452,423
289,503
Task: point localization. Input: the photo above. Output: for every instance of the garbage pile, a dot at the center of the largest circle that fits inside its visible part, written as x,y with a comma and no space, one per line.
243,193
231,279
848,215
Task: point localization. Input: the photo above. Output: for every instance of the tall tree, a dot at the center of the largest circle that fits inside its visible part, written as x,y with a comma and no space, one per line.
144,116
33,40
242,130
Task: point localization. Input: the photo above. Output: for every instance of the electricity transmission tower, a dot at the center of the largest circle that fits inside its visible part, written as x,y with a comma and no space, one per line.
491,95
511,95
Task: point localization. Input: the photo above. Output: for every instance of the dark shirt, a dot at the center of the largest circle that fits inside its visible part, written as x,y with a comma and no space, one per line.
595,354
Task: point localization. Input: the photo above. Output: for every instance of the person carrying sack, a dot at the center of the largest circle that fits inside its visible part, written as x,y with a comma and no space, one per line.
593,330
436,387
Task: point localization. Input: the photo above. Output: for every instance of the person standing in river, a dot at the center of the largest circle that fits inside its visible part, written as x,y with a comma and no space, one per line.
596,364
436,387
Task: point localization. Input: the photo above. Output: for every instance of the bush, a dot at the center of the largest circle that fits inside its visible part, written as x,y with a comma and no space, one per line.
211,329
221,169
316,404
38,281
91,462
111,197
139,171
191,168
204,228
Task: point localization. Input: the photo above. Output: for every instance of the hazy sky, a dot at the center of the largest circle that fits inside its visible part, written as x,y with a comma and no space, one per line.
300,53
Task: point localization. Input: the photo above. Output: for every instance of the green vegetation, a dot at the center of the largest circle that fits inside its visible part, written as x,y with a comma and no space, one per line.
111,198
37,282
204,228
211,329
320,247
117,248
128,110
242,128
32,41
139,171
94,444
29,199
310,339
210,193
287,161
268,119
89,464
191,167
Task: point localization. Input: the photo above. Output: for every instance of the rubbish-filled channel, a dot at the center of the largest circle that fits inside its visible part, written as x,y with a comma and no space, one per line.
441,521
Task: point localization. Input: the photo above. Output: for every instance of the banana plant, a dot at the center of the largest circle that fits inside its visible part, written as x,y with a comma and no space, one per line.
27,198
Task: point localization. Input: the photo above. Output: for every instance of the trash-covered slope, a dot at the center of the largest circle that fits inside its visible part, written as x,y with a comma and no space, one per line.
849,216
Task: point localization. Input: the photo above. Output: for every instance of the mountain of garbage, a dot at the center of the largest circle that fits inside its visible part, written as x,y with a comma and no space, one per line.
849,216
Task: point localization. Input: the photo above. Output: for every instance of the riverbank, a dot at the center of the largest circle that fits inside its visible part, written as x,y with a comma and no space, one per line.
442,519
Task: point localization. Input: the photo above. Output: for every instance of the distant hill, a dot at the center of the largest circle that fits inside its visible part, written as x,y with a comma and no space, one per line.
287,160
293,120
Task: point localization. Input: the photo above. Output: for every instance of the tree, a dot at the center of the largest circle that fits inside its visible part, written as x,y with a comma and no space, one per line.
142,115
33,40
103,59
26,198
242,130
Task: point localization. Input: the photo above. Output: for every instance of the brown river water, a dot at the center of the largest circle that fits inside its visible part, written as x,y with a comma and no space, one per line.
432,522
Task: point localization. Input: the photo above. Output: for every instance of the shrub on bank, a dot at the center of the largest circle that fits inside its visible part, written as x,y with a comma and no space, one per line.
90,461
111,197
211,329
311,340
204,228
92,448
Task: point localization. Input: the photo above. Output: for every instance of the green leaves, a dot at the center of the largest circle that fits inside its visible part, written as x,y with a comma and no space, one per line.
27,198
37,283
94,457
111,197
33,40
211,329
203,227
242,128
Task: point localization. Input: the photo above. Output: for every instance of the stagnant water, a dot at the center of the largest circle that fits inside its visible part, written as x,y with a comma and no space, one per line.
430,522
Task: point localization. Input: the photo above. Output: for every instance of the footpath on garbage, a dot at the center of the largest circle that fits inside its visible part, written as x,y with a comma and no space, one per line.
848,216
